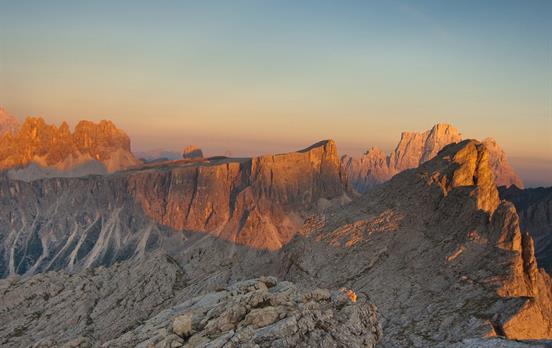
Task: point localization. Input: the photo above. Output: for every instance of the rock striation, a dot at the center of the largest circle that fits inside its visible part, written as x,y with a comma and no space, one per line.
8,123
534,207
58,309
375,167
260,312
142,304
57,150
73,223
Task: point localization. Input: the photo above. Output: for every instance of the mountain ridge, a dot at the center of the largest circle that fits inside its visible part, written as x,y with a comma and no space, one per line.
57,149
413,149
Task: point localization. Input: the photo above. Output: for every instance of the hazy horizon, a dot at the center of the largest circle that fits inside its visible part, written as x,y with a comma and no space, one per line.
262,77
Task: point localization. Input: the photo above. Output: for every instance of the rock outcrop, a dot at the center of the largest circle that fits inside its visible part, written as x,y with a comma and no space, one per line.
57,150
71,223
58,309
503,171
192,152
375,167
8,123
534,207
440,255
260,313
144,304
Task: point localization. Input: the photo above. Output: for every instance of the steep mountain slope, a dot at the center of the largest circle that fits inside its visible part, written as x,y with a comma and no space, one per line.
8,123
534,207
59,223
440,255
56,150
434,248
375,167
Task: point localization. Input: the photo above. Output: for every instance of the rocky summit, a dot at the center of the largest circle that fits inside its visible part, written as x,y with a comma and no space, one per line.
375,167
8,123
51,151
441,256
271,251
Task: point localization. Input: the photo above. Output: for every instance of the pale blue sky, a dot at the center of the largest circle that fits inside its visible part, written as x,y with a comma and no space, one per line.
264,76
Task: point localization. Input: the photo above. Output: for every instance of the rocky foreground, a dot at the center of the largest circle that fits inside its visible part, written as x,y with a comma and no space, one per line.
437,252
124,306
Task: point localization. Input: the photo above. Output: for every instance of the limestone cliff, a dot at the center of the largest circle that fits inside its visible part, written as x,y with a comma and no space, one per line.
375,167
98,220
57,149
441,256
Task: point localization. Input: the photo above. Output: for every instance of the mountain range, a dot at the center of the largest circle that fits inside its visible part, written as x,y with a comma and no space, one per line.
276,250
375,167
36,149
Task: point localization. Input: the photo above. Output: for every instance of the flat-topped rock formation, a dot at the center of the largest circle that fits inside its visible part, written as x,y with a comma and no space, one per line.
97,220
375,167
54,151
191,152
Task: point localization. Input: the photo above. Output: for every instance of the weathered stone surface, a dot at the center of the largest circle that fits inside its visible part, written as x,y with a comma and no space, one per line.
58,150
182,325
439,254
534,207
78,310
375,167
287,317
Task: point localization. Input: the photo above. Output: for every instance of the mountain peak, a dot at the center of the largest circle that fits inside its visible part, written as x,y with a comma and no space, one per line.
59,149
8,123
415,148
466,164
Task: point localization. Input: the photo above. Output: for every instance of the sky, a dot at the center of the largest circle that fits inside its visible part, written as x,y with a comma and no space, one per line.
251,77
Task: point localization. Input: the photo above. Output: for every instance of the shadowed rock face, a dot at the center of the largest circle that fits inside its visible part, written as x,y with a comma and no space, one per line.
59,149
375,167
440,255
534,207
70,223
